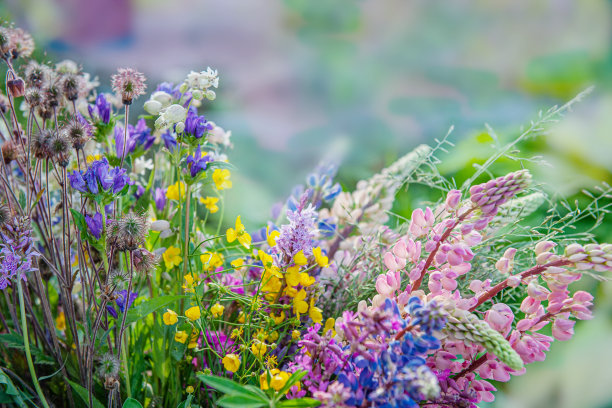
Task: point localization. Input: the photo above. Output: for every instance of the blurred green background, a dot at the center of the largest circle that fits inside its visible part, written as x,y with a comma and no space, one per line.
363,82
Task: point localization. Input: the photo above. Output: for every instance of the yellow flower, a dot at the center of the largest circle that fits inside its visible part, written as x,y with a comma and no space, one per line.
271,361
191,281
60,321
315,313
299,305
211,260
237,264
181,336
300,258
273,336
278,319
263,378
239,233
172,257
237,333
210,203
306,279
193,339
217,310
189,389
330,325
293,275
170,317
279,380
270,283
92,158
295,334
176,191
271,236
231,362
193,313
321,259
221,177
241,317
258,348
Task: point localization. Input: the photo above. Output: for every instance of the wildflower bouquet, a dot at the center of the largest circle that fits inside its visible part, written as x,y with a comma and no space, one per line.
121,286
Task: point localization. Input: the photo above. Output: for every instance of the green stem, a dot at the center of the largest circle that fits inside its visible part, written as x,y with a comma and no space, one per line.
125,367
26,342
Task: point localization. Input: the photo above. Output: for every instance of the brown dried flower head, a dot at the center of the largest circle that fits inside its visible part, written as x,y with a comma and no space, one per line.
129,84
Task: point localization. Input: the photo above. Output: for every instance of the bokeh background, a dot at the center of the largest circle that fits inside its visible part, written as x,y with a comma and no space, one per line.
363,82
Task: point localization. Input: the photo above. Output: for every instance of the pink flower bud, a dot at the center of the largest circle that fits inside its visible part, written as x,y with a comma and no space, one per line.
514,281
393,263
452,199
544,246
563,329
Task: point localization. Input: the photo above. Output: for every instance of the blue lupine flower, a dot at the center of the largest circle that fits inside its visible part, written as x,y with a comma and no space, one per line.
99,173
197,162
101,109
94,224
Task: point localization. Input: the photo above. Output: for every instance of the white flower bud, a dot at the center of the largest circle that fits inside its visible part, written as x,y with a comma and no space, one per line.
184,87
162,97
180,127
159,225
152,107
197,94
210,95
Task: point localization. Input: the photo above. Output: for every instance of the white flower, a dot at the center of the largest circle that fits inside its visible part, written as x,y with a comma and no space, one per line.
159,225
142,164
219,136
202,80
170,115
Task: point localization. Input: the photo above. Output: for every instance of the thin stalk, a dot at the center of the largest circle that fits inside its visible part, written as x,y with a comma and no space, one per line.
26,343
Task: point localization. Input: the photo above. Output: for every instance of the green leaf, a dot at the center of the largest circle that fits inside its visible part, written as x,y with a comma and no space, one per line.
240,401
295,377
79,221
82,392
186,403
149,306
299,402
229,387
221,165
131,403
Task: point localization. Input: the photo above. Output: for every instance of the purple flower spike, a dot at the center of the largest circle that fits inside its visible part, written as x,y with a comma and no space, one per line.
196,125
102,109
94,224
197,162
160,199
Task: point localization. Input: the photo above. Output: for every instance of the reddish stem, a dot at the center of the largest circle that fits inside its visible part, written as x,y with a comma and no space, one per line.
529,272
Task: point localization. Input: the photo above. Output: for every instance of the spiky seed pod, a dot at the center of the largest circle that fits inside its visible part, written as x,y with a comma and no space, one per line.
129,84
78,133
109,365
45,111
23,43
6,45
34,97
11,151
41,144
463,325
128,232
118,279
60,148
71,84
144,261
37,75
53,90
5,214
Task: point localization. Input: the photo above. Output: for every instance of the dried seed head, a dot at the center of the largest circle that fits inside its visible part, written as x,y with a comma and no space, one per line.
6,45
41,144
144,261
78,133
53,91
34,97
128,232
109,365
5,214
11,151
129,84
45,111
71,84
37,75
60,148
22,43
